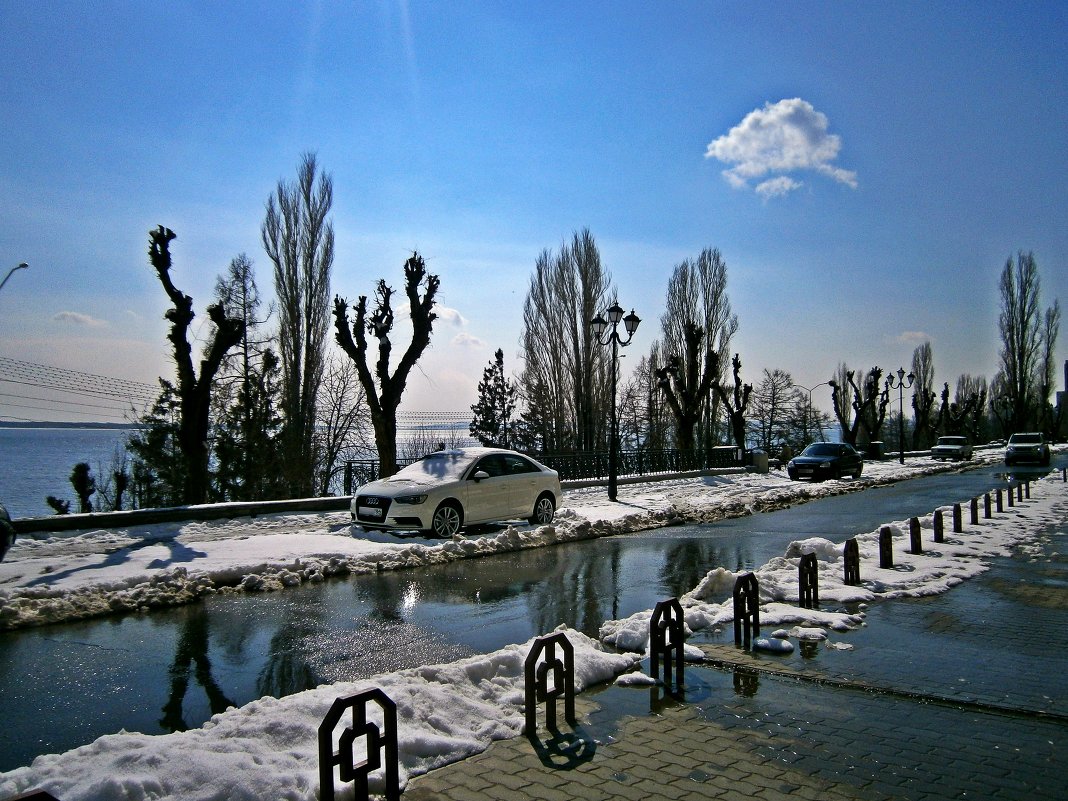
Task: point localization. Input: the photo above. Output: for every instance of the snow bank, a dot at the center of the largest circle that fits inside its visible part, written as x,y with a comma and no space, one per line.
268,749
940,566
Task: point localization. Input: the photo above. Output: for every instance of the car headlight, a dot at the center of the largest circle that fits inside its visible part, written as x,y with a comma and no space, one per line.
410,500
791,463
825,465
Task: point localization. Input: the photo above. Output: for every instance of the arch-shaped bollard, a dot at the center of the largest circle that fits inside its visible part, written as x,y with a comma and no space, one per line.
808,579
915,543
851,562
746,610
986,506
939,526
974,508
958,523
376,741
667,634
1000,503
536,680
886,548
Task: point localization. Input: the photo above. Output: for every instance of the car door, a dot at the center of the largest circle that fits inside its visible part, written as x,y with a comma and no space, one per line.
524,484
487,498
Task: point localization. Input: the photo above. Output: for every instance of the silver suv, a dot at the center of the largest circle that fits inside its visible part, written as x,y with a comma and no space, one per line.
1027,447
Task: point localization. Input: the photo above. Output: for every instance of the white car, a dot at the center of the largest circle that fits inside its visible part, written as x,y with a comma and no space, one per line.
952,448
447,490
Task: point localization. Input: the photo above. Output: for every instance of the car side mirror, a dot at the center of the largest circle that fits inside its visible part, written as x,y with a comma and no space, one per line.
480,474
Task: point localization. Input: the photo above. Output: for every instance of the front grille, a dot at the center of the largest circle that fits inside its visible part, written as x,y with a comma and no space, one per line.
372,508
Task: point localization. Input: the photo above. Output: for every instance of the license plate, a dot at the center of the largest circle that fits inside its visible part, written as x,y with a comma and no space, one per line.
805,471
372,511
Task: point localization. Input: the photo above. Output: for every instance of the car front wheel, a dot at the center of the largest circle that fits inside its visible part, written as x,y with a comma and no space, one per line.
544,510
447,521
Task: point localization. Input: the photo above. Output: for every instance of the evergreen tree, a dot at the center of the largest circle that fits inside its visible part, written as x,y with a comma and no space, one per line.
491,424
158,473
81,478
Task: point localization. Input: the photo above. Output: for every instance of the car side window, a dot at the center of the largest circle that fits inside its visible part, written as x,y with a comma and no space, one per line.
518,465
493,465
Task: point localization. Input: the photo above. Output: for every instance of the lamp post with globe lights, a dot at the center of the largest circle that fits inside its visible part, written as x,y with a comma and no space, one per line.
901,386
606,331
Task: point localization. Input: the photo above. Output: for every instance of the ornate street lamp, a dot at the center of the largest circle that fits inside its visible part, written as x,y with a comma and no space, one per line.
608,329
20,266
901,386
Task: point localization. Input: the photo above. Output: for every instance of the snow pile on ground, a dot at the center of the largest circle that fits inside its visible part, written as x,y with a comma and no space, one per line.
70,577
268,749
938,567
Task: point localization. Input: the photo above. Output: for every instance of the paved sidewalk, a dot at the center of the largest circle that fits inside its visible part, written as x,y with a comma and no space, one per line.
957,696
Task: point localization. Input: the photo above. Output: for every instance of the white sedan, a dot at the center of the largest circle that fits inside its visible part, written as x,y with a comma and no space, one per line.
447,490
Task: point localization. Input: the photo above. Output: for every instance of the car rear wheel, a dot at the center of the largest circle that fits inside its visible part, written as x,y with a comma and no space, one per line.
544,510
448,519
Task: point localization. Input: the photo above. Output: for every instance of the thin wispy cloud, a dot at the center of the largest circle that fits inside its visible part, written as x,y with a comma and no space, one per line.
913,337
777,141
77,318
450,316
466,340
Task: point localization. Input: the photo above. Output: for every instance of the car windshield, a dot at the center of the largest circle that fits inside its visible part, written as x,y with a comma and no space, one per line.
1027,439
951,440
821,449
441,466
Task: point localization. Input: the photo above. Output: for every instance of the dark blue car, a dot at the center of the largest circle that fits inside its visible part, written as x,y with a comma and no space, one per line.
823,460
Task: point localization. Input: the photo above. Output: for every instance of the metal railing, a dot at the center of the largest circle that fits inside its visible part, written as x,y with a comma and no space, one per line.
588,465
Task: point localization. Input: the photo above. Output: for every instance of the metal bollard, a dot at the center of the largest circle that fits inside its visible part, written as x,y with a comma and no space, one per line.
886,548
1019,493
1012,497
958,524
537,681
666,636
914,535
376,741
851,562
986,506
999,503
809,582
939,526
1027,489
975,511
746,610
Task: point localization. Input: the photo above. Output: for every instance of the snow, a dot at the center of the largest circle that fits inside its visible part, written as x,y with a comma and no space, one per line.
267,748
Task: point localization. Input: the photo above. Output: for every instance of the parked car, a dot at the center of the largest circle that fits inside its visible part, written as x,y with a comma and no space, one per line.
823,460
7,532
952,448
1027,447
447,490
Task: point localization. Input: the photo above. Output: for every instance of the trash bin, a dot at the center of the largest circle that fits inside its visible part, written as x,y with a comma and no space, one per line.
875,450
759,460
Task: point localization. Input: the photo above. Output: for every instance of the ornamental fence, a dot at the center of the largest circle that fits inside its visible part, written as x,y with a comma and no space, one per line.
590,465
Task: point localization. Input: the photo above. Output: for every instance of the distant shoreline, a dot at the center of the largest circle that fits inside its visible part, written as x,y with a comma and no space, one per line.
102,426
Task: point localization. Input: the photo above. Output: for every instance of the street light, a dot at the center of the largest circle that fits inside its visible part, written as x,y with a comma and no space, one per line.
20,266
808,411
609,329
900,387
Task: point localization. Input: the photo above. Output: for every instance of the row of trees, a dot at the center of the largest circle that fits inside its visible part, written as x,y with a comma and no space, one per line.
270,410
681,395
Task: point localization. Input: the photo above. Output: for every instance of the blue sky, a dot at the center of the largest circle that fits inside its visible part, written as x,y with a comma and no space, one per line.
925,144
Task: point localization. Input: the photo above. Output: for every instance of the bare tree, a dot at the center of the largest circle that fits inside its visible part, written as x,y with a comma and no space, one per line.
1024,380
194,392
299,240
564,366
735,400
774,402
868,403
923,396
698,325
344,422
384,396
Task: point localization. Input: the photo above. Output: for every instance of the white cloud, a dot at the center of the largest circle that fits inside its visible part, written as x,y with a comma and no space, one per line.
777,187
913,337
77,318
466,340
780,138
450,316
